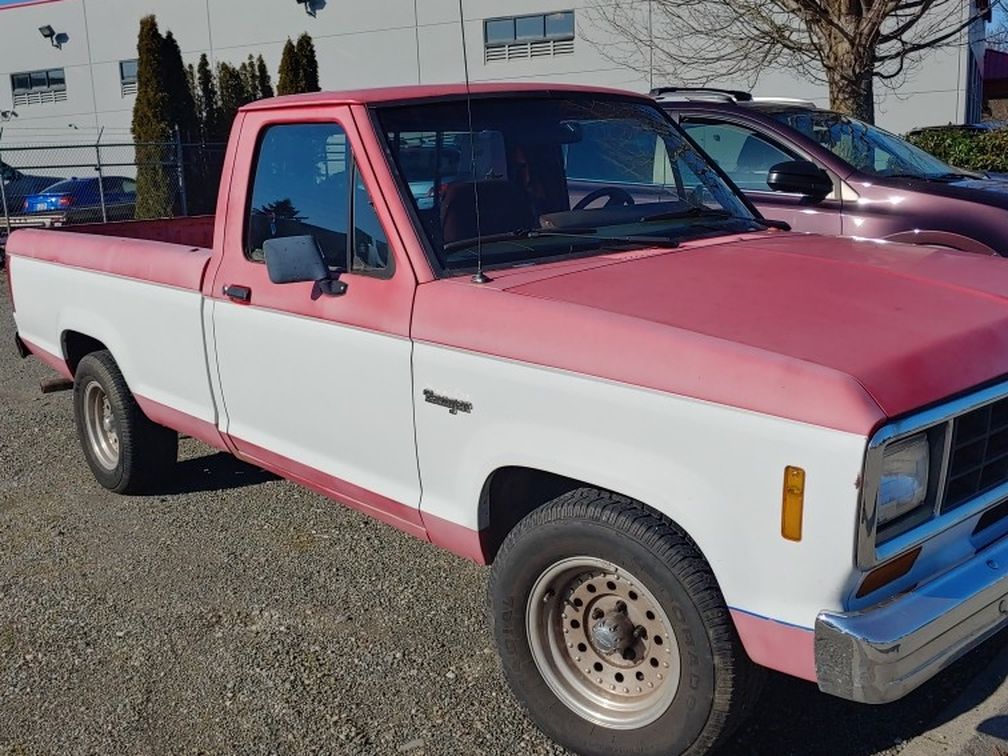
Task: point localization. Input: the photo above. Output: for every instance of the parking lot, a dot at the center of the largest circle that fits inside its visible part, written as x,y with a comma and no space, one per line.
239,612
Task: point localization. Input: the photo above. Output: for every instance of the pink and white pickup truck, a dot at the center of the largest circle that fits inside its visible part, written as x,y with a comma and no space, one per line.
535,326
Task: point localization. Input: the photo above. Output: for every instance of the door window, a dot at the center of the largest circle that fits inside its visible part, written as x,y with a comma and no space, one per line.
370,247
740,152
302,187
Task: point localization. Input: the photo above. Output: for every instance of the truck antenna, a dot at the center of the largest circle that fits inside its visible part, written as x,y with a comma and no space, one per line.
479,277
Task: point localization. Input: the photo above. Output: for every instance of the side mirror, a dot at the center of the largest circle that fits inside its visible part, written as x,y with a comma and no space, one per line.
800,177
298,259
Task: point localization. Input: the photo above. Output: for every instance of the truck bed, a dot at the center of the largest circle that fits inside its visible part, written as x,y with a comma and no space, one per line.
135,289
196,231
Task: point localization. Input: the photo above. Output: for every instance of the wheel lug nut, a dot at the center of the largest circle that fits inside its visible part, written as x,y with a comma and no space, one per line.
621,607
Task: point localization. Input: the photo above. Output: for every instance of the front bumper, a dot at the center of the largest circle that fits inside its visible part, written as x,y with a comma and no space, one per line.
880,654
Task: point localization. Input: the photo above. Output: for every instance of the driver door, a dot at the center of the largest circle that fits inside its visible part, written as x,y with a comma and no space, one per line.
313,386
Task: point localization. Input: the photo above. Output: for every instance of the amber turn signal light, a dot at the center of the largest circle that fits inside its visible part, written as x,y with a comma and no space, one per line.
793,503
888,572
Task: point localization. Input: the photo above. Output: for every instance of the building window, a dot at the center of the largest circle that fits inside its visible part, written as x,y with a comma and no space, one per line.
534,36
128,76
38,87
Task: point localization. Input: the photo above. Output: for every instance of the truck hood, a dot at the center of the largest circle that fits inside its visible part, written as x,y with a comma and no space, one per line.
910,325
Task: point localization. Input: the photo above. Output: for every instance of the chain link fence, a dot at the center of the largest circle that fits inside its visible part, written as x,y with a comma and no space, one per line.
47,185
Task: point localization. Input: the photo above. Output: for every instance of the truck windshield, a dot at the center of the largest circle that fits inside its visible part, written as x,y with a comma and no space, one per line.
867,148
538,178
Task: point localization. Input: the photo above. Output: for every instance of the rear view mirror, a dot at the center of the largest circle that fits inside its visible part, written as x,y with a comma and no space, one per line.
800,177
298,259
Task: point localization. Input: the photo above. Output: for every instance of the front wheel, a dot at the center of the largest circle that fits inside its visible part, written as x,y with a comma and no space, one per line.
613,632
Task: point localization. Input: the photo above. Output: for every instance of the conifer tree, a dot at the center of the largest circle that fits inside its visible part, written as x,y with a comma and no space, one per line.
262,74
233,93
151,126
309,80
181,107
209,105
289,78
250,79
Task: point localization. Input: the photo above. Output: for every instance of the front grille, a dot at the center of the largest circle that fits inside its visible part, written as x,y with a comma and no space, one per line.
979,454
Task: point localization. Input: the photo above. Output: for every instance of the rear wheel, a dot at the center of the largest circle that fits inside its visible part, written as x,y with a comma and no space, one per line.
613,632
127,452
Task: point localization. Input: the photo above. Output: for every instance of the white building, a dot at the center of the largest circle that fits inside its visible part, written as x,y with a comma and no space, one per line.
80,78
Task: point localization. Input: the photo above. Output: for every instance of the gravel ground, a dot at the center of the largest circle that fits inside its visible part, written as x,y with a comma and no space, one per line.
241,613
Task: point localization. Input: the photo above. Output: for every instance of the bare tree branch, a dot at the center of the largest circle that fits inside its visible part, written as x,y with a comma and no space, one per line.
846,44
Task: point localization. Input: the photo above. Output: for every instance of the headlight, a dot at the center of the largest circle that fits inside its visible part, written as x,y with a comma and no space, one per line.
904,483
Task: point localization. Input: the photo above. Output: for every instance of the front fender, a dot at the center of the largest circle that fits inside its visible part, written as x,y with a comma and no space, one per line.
716,471
941,239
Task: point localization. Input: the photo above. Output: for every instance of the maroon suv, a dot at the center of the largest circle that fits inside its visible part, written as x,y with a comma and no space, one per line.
824,172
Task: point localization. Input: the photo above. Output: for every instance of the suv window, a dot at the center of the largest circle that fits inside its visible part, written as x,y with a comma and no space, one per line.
303,175
740,152
864,146
636,161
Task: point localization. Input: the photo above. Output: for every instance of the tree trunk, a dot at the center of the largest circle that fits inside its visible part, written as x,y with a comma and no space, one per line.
851,87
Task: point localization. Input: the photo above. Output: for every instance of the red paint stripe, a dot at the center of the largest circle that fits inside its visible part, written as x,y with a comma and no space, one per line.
56,363
777,645
381,508
455,538
448,535
182,422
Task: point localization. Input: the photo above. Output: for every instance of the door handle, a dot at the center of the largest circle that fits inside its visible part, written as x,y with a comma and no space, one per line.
238,293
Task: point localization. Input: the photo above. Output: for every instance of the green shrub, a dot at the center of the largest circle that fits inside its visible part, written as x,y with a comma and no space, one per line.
965,148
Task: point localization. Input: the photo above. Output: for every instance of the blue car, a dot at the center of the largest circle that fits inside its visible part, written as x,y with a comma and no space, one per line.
79,200
18,185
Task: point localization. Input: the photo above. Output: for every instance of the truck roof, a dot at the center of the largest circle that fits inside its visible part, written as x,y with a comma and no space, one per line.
425,92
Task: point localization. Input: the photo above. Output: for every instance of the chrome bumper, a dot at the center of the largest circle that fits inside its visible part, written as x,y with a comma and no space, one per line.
880,654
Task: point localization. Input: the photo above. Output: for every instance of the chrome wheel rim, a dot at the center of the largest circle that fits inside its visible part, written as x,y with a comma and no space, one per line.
602,643
101,426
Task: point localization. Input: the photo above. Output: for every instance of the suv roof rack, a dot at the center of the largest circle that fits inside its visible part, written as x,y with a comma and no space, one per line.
700,93
787,101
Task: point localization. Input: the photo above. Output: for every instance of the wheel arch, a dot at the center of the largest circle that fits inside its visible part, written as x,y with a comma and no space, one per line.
76,346
932,237
512,492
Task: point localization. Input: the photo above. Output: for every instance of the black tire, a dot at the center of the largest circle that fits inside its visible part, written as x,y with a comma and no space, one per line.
717,681
146,452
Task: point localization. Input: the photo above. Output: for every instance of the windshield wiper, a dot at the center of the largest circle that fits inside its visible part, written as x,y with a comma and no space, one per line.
951,176
693,212
653,241
518,233
771,223
580,232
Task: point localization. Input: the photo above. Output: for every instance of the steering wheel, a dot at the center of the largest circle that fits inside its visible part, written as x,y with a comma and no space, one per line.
616,196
